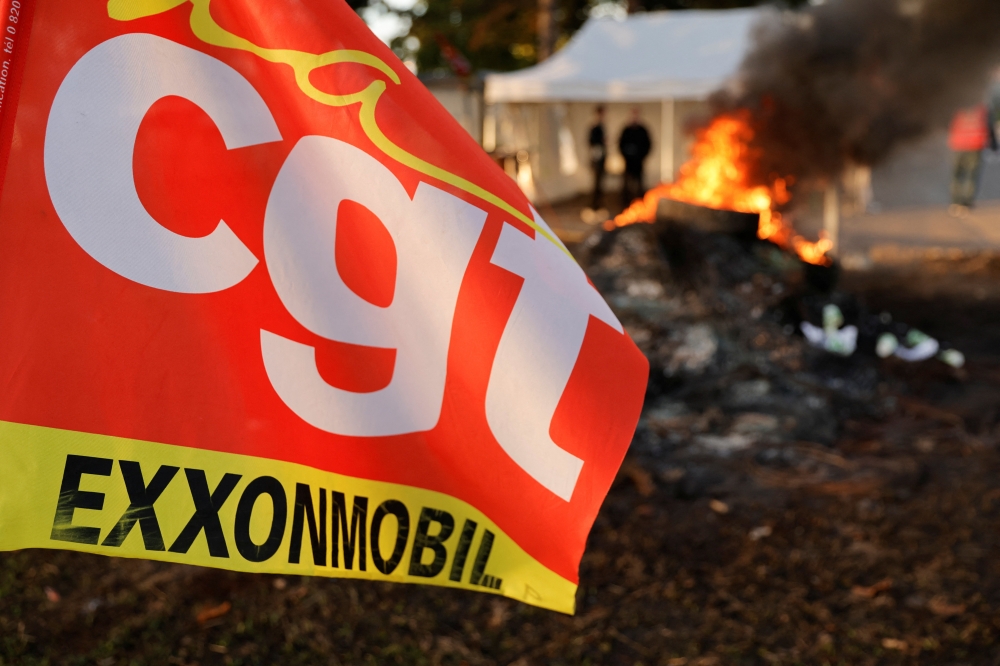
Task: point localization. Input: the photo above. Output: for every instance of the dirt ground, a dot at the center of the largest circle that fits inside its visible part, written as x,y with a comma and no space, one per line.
878,549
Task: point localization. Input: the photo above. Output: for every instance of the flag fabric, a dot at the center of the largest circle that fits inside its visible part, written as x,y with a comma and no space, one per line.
264,306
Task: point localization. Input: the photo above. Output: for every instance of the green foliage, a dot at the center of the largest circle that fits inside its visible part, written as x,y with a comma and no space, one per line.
501,35
492,34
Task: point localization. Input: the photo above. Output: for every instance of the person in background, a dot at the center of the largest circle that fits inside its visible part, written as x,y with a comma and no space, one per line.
971,132
634,146
598,157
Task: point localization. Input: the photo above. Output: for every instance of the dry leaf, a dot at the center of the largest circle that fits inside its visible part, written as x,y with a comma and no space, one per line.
642,479
214,612
940,606
894,644
718,506
499,612
870,592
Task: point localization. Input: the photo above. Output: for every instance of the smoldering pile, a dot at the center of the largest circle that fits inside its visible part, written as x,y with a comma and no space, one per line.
720,318
845,82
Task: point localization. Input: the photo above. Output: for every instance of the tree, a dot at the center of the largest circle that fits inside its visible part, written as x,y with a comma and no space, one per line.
499,35
503,35
546,30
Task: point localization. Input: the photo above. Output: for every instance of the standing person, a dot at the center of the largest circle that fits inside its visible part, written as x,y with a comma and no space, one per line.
634,145
971,132
598,157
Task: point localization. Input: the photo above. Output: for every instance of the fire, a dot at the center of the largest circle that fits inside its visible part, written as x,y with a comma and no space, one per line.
718,176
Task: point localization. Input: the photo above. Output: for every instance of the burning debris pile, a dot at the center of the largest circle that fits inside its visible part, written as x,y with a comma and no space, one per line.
725,366
747,342
720,175
837,85
738,313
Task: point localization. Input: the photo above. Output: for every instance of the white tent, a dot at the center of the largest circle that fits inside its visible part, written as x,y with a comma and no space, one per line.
666,63
647,57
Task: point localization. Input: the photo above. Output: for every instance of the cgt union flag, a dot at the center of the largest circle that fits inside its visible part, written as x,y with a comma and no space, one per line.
265,306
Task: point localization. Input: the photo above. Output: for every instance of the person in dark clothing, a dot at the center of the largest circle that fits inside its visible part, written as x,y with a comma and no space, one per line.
634,146
598,157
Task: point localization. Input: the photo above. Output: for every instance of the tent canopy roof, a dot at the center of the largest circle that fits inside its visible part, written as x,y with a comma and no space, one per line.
651,56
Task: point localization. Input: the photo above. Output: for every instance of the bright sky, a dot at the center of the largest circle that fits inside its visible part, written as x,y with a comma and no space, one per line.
387,25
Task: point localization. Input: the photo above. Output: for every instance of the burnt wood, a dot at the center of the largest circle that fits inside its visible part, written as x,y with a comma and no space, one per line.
708,220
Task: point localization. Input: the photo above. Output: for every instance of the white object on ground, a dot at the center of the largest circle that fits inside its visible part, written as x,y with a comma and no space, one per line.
886,346
952,357
833,318
842,342
922,347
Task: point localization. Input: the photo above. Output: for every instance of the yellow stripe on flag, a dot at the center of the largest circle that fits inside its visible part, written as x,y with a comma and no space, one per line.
130,498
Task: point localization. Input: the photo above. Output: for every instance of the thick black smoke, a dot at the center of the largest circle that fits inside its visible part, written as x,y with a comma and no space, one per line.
849,80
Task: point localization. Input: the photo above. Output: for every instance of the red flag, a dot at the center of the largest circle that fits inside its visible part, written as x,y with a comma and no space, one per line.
265,306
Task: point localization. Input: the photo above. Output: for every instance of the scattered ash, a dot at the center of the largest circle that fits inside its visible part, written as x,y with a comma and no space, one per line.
728,367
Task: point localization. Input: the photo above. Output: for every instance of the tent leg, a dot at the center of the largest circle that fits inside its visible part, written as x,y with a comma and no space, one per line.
831,216
667,122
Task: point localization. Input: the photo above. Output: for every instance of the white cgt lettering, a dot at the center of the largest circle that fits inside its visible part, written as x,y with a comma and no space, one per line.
434,235
89,142
537,353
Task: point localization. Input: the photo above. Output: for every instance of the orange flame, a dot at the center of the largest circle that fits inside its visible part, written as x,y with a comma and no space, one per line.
718,176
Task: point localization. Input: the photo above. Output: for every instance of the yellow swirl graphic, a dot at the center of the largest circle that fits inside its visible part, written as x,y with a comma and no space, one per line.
303,64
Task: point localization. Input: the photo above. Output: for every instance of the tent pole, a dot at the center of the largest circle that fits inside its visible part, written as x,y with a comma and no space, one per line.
831,216
546,29
667,121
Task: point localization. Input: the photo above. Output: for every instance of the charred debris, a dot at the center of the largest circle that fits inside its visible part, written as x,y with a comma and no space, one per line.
752,350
